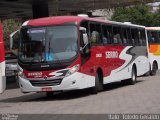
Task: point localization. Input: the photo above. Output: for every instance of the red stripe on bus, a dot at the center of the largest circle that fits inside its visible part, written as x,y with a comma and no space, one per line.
2,56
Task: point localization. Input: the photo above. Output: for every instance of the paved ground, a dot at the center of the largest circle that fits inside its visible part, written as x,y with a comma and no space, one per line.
144,97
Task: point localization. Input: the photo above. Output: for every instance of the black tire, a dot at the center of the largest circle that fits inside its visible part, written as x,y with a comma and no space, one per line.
133,78
154,69
49,94
98,85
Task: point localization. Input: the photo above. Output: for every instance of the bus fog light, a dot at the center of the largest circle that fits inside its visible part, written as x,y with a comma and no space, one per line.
73,82
72,70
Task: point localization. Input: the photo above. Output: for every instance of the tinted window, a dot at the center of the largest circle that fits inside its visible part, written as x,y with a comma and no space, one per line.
107,34
95,33
117,36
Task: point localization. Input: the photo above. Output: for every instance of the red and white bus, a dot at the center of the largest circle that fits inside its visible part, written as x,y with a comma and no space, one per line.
2,62
72,52
154,48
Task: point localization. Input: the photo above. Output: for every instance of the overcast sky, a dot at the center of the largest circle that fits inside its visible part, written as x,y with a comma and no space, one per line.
155,4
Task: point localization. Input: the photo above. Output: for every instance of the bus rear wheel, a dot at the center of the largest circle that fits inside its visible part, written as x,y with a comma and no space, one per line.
133,78
154,69
98,84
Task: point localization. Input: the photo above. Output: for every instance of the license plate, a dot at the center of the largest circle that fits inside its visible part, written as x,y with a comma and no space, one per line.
47,89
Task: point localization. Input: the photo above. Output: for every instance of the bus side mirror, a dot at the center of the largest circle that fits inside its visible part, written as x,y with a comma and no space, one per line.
85,38
86,48
14,37
85,41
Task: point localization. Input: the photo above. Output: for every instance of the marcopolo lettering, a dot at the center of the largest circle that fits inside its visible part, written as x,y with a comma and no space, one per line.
35,74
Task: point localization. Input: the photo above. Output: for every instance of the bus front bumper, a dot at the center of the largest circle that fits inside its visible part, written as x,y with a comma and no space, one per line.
72,82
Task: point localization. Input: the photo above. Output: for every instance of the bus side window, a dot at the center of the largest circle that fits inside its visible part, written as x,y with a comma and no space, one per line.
106,33
129,36
158,37
110,34
136,34
143,35
117,39
153,37
133,37
140,37
124,34
99,33
95,33
85,25
117,35
95,37
149,36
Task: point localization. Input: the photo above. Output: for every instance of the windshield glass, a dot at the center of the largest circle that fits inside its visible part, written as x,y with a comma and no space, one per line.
48,44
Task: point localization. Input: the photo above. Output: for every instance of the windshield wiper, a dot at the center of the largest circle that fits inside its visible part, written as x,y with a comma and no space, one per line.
49,48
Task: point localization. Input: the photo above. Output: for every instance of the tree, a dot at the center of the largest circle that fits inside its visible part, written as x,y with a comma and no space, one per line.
156,18
9,26
139,14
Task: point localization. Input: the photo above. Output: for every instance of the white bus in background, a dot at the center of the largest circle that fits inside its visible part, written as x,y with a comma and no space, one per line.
153,34
2,62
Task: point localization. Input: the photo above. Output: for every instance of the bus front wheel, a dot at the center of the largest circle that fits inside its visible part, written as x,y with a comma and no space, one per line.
98,85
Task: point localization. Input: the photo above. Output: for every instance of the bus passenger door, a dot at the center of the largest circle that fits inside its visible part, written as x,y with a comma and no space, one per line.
84,45
14,38
143,51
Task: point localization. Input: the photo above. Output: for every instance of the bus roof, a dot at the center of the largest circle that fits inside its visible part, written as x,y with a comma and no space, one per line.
70,19
153,28
58,20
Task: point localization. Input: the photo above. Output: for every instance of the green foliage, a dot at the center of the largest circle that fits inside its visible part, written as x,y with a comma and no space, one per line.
139,14
9,26
157,18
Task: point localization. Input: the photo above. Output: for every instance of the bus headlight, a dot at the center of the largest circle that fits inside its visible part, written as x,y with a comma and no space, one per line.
72,70
21,74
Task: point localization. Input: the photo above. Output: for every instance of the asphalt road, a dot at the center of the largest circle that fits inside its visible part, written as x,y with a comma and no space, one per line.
143,97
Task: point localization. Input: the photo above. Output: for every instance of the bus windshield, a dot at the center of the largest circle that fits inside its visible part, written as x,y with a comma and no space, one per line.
48,44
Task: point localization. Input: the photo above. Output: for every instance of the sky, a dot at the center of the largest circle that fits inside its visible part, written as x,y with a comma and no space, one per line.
155,4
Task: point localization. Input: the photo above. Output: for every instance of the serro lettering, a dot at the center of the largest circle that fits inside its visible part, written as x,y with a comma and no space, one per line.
111,54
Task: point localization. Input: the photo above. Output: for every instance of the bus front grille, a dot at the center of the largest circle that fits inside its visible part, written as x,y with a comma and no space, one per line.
53,82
